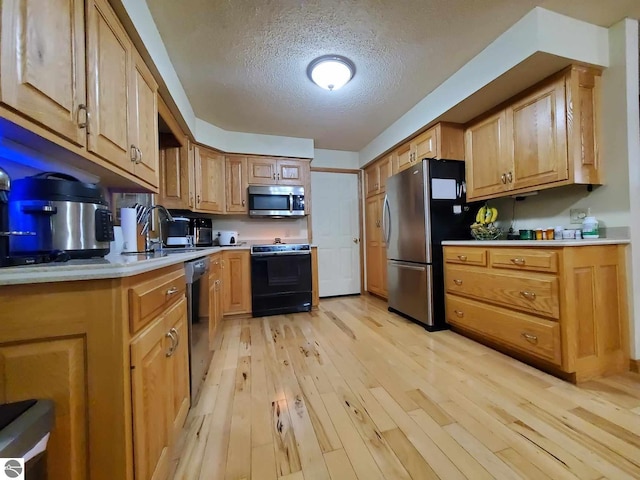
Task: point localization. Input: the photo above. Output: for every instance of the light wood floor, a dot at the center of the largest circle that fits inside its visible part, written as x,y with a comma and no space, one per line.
352,391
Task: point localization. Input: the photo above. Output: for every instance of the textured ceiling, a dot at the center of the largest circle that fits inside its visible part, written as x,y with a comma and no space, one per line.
243,62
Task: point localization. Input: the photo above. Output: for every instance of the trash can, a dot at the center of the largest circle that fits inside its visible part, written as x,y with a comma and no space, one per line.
24,431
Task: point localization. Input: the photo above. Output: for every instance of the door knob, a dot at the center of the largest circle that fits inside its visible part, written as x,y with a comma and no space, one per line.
356,240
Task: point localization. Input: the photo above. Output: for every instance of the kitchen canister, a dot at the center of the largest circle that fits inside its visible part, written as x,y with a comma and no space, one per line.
590,228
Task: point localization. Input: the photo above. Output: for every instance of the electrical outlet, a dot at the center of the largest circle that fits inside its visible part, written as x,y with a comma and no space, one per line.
577,215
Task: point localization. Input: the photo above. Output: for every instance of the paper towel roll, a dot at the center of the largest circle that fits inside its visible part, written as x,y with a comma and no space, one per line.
129,229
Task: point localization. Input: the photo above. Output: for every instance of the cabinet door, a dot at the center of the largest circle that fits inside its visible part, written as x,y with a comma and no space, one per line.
404,156
43,63
176,322
236,180
372,180
236,280
53,369
209,180
538,125
425,145
291,172
144,115
152,401
261,171
373,231
488,156
109,57
385,170
176,166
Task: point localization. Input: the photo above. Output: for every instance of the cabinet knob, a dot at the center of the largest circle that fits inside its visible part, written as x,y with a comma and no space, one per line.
177,335
530,338
198,198
457,281
518,261
459,313
528,295
139,155
462,258
244,202
134,153
274,176
503,177
510,177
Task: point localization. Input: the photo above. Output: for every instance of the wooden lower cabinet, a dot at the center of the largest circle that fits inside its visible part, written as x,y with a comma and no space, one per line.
215,297
236,281
119,378
52,368
561,308
375,248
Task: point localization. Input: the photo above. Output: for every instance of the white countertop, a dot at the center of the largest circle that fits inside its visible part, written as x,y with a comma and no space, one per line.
537,243
111,266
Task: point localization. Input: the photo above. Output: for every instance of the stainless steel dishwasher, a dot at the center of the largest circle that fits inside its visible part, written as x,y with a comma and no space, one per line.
199,353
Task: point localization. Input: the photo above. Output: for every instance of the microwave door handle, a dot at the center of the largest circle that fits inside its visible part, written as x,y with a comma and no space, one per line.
290,202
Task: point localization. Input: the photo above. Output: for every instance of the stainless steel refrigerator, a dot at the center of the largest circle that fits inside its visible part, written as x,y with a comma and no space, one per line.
423,206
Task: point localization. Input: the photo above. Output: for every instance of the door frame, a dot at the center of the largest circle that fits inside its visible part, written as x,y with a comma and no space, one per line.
359,174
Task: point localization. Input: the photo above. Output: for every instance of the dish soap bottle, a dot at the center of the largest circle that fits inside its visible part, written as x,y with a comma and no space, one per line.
590,226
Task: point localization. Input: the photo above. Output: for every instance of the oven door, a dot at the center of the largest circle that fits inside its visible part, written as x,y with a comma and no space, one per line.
280,283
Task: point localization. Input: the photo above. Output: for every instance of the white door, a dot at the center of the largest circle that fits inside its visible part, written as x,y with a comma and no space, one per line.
336,231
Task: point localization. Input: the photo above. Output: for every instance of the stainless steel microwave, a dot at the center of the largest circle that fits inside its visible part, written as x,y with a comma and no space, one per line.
277,201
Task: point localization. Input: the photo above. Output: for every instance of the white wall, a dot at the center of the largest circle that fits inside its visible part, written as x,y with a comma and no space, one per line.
335,159
538,31
203,132
252,229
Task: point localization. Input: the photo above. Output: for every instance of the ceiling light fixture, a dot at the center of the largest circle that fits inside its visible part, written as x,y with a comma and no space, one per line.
331,72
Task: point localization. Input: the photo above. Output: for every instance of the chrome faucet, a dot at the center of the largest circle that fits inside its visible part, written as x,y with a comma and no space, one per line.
151,245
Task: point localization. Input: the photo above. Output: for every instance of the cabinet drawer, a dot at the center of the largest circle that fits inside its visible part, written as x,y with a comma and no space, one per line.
525,259
531,335
536,293
150,297
466,255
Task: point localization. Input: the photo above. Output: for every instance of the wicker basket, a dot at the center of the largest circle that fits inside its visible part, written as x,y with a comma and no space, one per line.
488,232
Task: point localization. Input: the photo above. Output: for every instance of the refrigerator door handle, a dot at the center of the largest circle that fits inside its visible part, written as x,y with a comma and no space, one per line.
386,226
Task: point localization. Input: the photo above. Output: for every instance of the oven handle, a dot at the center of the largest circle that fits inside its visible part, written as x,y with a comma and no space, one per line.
271,254
290,202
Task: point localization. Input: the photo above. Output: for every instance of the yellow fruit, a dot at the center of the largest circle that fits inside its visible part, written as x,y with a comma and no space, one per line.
482,213
494,215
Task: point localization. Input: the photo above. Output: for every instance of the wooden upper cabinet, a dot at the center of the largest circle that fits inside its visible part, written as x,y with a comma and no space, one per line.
209,180
444,140
236,184
291,172
109,71
538,126
176,177
43,64
261,171
404,156
488,156
546,136
144,115
376,175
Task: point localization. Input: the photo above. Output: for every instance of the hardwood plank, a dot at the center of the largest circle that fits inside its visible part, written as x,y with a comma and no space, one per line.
263,462
373,395
339,465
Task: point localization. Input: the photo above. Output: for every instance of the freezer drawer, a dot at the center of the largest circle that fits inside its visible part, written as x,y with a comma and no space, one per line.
409,286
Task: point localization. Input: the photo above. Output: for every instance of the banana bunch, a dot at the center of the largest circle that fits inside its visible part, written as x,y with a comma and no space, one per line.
485,216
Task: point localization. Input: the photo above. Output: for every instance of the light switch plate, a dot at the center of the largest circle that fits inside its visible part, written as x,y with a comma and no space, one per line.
577,215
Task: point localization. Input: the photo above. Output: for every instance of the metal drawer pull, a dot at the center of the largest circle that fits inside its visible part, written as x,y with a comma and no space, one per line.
530,338
518,261
173,346
462,258
459,313
503,177
528,295
457,282
172,290
175,332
